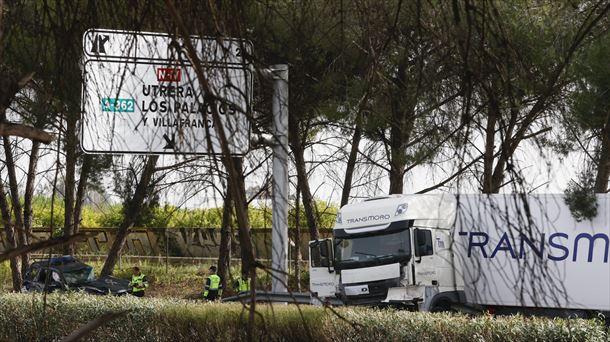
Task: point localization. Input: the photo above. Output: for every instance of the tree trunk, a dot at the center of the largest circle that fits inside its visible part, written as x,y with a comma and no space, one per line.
402,121
488,186
497,178
308,201
28,196
248,257
238,196
10,239
397,170
603,167
16,204
400,131
70,147
133,208
351,164
81,190
224,254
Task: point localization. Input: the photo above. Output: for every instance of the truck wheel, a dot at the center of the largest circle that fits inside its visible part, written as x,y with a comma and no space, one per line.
441,306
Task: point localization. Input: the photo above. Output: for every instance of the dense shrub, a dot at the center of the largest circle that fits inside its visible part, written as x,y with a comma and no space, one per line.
22,318
41,207
389,325
5,272
168,216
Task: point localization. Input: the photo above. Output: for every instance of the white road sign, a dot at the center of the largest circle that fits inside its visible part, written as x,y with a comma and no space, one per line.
141,95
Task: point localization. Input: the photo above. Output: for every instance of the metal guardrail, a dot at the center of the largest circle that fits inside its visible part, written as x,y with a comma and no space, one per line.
283,297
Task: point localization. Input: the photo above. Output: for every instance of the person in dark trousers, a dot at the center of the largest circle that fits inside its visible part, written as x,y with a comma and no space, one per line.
139,282
213,285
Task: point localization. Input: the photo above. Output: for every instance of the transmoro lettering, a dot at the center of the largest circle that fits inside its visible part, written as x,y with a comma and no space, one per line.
556,247
369,218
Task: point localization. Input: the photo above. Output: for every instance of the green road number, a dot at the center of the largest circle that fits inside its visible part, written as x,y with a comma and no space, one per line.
118,105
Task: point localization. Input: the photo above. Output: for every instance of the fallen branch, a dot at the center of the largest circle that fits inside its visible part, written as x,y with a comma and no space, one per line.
28,132
83,331
12,253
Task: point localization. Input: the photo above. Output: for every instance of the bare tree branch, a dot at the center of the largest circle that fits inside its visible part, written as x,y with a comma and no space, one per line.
24,131
58,241
86,329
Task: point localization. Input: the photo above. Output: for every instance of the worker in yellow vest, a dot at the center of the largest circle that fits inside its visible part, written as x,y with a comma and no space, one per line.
213,285
242,284
139,282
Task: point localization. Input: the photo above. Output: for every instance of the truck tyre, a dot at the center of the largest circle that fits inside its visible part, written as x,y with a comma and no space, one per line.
442,305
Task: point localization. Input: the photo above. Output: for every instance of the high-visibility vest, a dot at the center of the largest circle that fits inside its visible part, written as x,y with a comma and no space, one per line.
214,284
138,280
244,285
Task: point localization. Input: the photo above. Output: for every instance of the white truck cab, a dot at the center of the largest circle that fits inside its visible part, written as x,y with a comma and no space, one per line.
393,250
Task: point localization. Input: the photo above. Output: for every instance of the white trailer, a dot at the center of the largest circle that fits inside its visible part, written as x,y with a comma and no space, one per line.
501,253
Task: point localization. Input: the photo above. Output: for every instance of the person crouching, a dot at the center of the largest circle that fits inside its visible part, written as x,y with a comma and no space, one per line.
139,282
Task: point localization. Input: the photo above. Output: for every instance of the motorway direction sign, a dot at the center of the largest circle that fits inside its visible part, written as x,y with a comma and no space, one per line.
141,94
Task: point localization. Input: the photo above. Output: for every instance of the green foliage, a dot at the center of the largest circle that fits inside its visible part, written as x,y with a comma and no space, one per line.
23,318
41,207
188,218
107,216
590,100
174,274
580,197
260,217
389,325
213,217
327,215
5,273
178,275
170,216
112,217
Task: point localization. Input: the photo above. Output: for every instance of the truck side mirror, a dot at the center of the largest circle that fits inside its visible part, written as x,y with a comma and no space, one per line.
423,242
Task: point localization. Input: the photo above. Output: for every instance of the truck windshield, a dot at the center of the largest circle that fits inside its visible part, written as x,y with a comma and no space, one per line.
373,250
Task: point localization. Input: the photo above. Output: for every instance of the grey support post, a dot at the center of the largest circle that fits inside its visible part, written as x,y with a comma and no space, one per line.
279,235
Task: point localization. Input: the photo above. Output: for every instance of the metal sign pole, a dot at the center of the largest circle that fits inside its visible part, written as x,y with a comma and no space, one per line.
279,234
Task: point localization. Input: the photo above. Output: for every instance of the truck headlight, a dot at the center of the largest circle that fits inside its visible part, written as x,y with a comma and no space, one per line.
401,209
338,219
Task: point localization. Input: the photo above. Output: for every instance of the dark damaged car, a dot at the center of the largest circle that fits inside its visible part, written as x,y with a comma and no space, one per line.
69,274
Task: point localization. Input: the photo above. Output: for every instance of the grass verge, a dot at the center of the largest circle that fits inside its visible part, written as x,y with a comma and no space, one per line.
177,281
24,318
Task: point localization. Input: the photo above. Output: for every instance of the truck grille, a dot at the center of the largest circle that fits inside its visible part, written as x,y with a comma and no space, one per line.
378,291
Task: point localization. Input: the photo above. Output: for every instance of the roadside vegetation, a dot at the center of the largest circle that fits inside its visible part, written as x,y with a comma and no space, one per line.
176,280
154,319
166,216
386,97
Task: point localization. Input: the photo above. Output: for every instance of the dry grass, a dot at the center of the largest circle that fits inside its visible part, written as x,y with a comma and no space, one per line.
22,318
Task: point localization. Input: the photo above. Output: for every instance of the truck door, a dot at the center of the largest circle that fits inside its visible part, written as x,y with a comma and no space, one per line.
323,279
424,262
